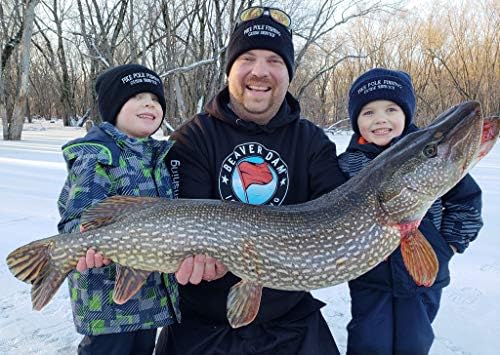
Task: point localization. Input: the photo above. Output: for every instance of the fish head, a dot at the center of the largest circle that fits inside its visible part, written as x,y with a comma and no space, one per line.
425,164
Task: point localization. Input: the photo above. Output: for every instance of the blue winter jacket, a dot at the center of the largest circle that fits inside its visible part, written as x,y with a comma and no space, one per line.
104,163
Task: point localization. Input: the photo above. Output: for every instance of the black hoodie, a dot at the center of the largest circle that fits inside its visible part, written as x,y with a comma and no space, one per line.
217,155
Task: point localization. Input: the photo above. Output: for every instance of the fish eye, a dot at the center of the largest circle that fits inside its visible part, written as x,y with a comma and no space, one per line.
430,150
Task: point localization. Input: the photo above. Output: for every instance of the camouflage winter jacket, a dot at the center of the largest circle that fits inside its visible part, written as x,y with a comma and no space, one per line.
104,163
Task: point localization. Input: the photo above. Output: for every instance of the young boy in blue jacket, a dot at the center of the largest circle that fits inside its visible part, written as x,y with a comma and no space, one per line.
391,314
118,157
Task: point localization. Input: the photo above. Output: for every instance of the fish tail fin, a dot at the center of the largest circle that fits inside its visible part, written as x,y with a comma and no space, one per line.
32,263
419,258
45,288
29,262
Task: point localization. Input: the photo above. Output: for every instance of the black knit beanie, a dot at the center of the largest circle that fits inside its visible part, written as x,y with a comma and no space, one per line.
261,33
116,85
382,84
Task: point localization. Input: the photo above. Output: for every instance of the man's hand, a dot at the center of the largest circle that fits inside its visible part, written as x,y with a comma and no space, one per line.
90,260
193,269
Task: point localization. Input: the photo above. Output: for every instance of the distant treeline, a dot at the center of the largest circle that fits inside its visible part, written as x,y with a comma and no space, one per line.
451,50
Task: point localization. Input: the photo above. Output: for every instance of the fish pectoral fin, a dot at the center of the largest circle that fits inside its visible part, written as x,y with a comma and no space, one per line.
113,209
243,303
419,258
128,282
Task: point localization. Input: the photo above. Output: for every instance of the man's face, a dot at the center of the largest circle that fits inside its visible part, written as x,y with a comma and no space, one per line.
258,82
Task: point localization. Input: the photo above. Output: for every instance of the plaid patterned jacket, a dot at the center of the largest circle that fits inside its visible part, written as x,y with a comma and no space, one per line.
104,163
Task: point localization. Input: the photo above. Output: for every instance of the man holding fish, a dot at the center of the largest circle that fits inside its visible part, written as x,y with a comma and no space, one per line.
251,146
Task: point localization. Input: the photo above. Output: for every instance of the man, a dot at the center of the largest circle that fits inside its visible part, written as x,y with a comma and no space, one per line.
250,145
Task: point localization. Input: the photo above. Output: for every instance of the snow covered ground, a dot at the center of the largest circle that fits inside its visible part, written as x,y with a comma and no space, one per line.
32,173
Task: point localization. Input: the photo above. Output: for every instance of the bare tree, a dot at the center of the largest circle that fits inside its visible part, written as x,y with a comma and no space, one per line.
57,60
14,127
325,46
11,26
451,56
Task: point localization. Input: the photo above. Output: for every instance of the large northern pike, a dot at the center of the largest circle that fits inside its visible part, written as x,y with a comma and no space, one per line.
312,245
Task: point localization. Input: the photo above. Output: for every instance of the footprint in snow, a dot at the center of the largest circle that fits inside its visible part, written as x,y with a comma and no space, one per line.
464,296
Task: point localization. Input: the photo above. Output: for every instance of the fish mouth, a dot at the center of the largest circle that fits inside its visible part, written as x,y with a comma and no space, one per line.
460,136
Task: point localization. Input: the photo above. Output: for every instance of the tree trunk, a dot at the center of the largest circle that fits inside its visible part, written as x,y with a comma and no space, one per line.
3,105
7,51
15,127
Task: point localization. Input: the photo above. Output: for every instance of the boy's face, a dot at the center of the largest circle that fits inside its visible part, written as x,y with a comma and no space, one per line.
140,116
380,121
258,82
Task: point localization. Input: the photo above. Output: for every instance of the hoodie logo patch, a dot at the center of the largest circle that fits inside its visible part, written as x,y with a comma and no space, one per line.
253,174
